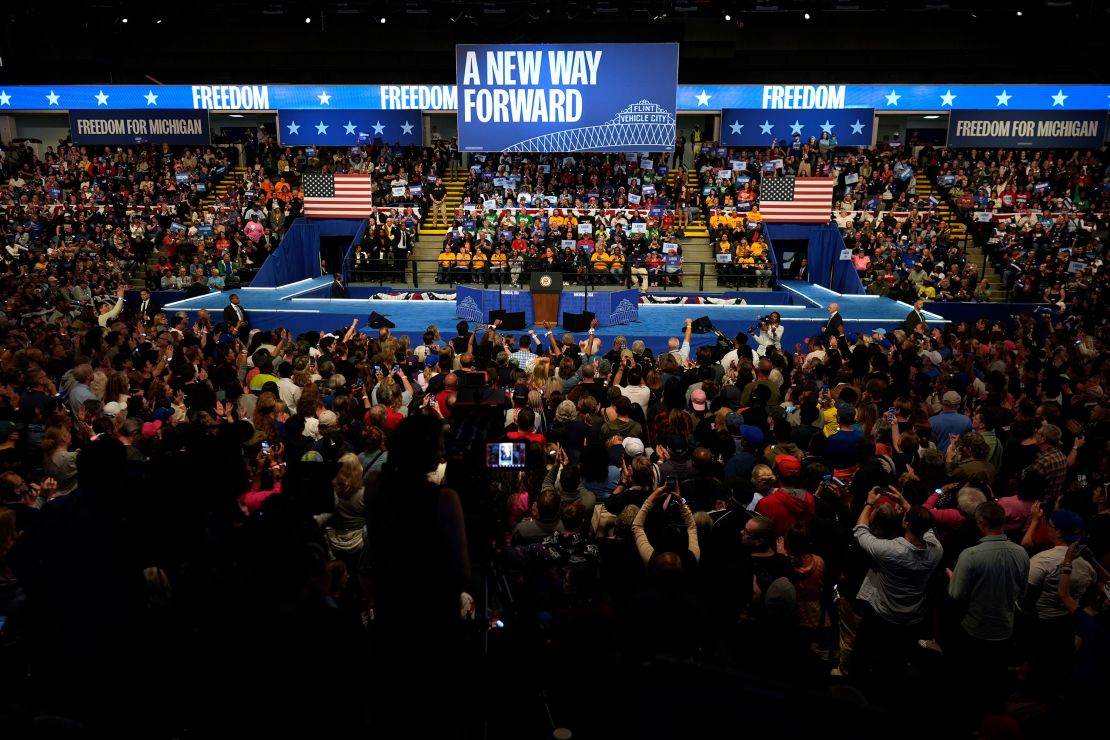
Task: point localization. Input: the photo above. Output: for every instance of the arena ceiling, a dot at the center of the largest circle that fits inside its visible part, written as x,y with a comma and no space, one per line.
745,41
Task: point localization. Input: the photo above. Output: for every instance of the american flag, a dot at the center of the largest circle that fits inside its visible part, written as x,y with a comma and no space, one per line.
796,199
337,196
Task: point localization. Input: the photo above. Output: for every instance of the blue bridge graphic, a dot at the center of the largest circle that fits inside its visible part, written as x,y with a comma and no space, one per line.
641,126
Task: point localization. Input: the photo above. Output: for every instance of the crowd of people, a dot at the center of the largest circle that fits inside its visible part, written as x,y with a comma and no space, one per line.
868,508
633,248
852,515
1040,216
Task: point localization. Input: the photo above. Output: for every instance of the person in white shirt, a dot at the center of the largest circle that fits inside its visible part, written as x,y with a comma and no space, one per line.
1053,630
681,352
289,391
769,334
740,351
109,314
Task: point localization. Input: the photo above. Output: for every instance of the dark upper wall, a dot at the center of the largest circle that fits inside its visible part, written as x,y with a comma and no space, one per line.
40,46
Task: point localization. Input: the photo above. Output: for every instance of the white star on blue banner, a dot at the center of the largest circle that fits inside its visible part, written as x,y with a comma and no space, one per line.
851,126
348,127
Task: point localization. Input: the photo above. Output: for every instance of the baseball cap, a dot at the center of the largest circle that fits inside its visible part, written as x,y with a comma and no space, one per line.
431,360
751,435
151,428
697,400
952,398
112,408
520,392
788,466
162,414
328,419
1068,523
676,443
8,428
633,446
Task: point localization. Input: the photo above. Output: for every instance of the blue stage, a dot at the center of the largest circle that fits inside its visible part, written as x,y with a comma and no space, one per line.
299,308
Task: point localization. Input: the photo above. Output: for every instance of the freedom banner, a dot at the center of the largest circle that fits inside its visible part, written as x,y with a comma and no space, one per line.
743,127
567,98
1020,129
139,127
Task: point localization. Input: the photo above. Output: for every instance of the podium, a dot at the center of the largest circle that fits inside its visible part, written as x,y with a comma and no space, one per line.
546,288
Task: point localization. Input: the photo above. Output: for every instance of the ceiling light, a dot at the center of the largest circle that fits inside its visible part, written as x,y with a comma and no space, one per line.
929,118
125,20
728,17
1019,14
383,19
234,115
807,16
158,22
307,19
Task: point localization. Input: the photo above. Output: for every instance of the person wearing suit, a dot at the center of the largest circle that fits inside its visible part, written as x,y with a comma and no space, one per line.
916,318
148,309
235,315
835,322
338,290
801,269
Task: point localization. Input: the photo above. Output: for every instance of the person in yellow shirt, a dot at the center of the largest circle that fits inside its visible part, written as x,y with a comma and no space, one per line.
759,248
927,291
557,220
616,264
462,265
601,262
719,220
498,263
745,265
754,216
726,271
446,264
478,264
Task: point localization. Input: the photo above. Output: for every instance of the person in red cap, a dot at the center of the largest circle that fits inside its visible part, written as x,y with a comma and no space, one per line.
789,503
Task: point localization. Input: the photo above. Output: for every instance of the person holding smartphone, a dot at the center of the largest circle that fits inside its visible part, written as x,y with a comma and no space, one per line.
674,538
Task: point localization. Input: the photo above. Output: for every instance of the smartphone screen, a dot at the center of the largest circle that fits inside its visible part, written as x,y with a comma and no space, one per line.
505,454
265,448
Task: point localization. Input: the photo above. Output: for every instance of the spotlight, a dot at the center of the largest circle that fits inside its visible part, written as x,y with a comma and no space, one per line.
807,16
383,19
158,22
728,17
124,20
307,19
1018,15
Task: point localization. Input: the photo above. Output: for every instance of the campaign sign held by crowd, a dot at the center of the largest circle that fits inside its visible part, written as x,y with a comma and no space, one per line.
572,98
139,127
1027,129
